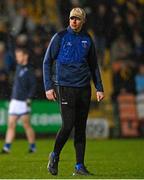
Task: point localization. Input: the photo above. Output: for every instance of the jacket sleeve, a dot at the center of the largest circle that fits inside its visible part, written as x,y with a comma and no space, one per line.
50,56
94,68
32,84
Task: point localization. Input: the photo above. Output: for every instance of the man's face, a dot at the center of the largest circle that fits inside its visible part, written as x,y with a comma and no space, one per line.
21,58
76,23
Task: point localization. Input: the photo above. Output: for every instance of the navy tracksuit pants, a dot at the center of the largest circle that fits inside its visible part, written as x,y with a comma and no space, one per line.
74,106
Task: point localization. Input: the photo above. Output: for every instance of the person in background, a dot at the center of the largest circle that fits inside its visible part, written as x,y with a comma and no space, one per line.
139,80
19,107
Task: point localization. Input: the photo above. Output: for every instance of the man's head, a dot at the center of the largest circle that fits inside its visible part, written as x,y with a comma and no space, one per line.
22,56
77,19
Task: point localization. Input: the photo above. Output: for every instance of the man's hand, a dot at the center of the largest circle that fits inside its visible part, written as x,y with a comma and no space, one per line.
100,95
51,95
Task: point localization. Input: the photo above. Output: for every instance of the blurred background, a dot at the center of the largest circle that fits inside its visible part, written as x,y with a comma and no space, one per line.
117,29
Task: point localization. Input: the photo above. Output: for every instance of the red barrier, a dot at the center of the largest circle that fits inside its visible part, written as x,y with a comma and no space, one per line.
127,107
129,128
128,115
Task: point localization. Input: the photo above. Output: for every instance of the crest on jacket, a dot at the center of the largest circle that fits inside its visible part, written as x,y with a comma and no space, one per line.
84,44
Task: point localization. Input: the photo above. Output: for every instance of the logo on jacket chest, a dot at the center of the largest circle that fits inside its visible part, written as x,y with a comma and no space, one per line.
22,72
84,44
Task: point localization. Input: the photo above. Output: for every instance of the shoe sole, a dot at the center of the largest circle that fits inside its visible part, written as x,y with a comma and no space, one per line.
81,174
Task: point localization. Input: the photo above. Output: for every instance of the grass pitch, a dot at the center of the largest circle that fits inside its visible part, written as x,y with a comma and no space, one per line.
104,158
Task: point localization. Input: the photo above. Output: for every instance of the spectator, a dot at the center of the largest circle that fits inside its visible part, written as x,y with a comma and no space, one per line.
130,24
120,49
3,32
139,80
117,28
20,22
101,29
64,8
124,80
37,63
4,85
138,51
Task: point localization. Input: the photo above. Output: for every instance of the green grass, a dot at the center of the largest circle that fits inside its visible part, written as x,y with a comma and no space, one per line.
105,158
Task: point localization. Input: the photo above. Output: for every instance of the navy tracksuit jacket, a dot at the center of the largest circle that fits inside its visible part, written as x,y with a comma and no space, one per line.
24,83
75,60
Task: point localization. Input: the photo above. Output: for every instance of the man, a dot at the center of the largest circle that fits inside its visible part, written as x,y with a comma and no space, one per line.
73,53
23,91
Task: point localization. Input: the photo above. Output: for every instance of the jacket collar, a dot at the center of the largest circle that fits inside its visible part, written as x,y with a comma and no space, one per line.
69,29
